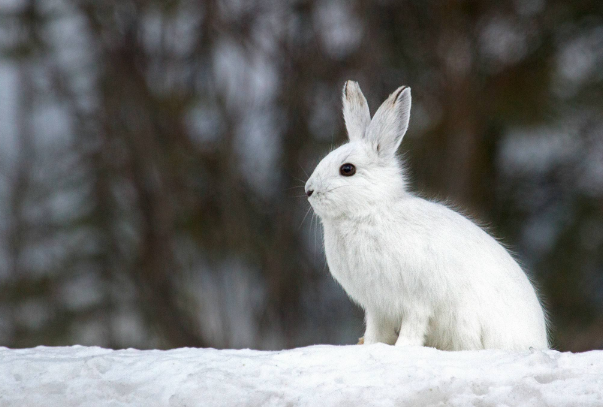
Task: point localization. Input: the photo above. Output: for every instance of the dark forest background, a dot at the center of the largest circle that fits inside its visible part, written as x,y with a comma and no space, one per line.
152,154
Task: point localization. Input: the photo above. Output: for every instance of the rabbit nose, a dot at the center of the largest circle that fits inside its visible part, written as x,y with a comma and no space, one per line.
309,193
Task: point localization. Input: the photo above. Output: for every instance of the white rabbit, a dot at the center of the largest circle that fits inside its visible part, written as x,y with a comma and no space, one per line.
424,274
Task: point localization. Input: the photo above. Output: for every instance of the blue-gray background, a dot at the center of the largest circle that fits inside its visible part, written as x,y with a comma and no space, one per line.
152,155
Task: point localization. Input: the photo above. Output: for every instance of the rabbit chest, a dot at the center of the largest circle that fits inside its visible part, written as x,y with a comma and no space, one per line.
374,266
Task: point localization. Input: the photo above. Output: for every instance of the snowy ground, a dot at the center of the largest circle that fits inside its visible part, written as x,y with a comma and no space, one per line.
315,376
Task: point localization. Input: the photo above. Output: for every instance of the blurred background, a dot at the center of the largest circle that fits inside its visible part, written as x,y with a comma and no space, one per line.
153,153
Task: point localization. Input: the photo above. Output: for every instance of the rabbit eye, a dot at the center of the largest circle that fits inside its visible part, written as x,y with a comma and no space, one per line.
347,170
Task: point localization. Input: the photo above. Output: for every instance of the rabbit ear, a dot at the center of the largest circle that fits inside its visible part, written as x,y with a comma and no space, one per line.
390,122
355,111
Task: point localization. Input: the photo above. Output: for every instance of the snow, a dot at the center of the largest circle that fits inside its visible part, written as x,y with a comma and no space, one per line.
378,375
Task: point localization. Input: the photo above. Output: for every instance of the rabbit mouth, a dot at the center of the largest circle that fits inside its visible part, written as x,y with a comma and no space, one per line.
324,206
317,201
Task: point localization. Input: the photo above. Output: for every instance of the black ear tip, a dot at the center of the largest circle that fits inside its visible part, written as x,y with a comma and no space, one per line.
398,94
347,84
400,90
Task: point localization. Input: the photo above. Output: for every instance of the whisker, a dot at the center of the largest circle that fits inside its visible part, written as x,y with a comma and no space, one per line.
315,232
302,168
302,222
325,265
341,186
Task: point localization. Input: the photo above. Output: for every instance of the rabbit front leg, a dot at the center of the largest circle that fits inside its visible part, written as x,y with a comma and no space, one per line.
378,330
413,329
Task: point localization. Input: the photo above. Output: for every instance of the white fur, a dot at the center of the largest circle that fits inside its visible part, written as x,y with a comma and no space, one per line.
424,274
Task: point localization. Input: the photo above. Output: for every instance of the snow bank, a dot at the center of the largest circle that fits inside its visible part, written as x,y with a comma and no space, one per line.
315,376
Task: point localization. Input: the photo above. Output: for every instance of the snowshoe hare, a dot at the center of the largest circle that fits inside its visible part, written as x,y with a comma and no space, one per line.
424,274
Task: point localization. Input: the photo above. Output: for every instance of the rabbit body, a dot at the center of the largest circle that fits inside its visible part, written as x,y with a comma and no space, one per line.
424,274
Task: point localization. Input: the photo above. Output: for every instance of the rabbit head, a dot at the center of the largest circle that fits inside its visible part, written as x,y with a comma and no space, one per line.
364,173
